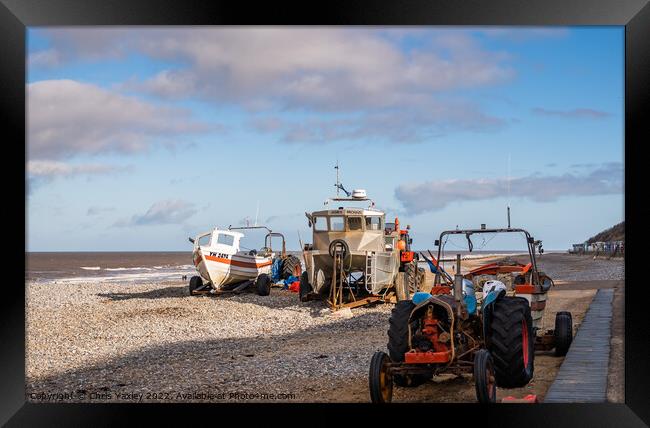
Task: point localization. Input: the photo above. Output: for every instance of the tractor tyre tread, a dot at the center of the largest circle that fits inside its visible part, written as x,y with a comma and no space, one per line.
398,342
289,266
505,341
563,334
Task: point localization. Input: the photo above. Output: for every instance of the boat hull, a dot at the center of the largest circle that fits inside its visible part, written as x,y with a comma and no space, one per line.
220,270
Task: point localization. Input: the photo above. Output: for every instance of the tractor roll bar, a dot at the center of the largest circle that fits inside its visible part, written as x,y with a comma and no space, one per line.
530,241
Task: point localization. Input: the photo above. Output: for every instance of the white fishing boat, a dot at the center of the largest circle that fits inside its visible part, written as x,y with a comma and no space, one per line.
223,266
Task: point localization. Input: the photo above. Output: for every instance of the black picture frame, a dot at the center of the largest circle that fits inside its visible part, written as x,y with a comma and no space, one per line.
17,15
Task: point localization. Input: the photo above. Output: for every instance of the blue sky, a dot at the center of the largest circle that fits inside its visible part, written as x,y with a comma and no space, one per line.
140,137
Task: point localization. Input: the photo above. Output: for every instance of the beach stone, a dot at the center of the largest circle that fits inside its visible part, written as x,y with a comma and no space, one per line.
148,337
342,313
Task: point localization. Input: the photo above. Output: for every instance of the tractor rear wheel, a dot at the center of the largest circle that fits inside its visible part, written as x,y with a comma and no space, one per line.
398,341
563,333
380,382
422,277
195,283
263,284
511,341
290,267
484,379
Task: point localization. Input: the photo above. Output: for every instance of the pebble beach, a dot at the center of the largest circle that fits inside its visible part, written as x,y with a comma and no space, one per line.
152,342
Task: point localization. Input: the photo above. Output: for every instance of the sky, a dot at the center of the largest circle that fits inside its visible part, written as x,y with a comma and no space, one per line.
139,137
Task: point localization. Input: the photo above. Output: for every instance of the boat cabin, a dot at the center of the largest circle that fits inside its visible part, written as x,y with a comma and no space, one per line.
362,229
220,241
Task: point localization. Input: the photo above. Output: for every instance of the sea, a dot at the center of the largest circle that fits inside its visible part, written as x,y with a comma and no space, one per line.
107,266
71,267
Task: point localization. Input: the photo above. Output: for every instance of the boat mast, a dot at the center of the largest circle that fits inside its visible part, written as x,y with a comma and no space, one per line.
508,190
337,177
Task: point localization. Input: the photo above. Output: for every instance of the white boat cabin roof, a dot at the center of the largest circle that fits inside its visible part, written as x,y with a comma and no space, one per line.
349,211
227,232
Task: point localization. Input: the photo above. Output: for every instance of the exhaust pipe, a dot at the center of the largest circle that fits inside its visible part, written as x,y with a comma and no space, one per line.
458,288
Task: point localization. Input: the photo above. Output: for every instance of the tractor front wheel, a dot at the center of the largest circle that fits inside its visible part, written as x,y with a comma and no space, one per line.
484,378
380,382
398,342
563,335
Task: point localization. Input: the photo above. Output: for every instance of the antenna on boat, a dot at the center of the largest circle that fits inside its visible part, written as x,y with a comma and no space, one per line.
257,212
338,184
337,177
508,191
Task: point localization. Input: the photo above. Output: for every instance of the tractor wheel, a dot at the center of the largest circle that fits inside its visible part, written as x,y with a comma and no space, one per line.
398,342
422,277
563,333
410,274
290,267
401,288
511,341
263,284
305,286
380,382
484,379
195,283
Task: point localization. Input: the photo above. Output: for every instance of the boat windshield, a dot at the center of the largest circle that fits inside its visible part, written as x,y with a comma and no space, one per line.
337,224
204,240
354,223
373,222
226,239
320,224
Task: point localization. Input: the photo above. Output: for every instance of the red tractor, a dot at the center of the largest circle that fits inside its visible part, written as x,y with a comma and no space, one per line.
454,329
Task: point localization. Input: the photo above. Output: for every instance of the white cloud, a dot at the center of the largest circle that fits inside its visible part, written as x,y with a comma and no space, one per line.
370,77
576,113
52,169
40,172
170,211
400,126
521,34
95,210
318,68
45,58
66,118
366,74
435,195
